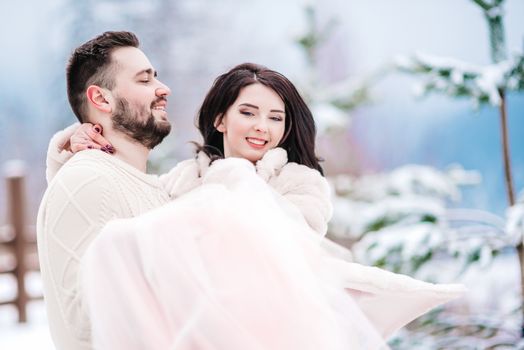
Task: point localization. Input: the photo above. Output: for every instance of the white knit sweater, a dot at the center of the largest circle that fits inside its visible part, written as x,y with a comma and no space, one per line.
88,191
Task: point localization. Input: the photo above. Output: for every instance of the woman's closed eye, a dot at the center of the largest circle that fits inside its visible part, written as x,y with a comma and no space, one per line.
276,118
247,113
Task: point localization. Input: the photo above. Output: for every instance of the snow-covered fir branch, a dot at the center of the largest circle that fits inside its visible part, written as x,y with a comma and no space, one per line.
460,79
401,220
438,330
406,195
409,194
410,179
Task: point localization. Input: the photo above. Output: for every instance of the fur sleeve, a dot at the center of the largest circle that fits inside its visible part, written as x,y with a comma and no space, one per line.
57,155
308,190
230,172
185,176
271,164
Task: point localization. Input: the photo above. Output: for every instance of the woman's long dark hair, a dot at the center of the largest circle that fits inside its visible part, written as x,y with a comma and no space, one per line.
300,131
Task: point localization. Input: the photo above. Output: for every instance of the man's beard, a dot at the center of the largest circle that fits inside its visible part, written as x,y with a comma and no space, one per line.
149,133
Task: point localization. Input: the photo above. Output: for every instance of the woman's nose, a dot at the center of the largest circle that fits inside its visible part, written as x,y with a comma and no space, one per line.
261,125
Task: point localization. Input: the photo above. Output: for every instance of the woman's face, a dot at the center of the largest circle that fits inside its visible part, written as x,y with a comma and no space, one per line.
254,123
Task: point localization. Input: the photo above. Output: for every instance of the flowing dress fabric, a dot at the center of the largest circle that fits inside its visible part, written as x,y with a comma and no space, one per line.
230,266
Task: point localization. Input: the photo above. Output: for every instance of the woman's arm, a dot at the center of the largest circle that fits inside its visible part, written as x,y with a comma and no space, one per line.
185,176
59,151
304,187
75,138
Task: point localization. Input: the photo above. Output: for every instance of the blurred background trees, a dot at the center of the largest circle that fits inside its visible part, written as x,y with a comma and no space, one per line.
419,185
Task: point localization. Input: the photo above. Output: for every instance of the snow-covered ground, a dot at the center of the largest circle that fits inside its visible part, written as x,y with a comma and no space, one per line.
29,336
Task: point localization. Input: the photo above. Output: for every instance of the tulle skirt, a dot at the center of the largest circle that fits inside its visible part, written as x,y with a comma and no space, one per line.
233,268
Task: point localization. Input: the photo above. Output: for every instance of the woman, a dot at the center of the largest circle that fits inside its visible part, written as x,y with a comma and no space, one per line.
233,263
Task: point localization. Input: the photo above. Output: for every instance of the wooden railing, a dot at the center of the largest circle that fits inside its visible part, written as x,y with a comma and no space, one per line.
18,253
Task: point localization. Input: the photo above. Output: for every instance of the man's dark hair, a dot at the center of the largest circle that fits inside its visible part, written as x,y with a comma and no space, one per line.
90,64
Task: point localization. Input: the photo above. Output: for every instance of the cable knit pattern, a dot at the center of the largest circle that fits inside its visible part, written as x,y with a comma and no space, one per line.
88,191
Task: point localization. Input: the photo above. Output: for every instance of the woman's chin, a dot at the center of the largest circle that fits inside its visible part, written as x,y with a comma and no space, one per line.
255,158
252,155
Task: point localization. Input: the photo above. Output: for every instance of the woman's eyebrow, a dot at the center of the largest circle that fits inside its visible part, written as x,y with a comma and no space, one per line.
248,105
256,107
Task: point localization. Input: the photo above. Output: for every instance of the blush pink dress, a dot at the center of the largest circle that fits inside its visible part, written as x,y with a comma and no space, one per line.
232,266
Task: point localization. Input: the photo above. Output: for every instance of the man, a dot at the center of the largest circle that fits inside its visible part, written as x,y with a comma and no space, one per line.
110,82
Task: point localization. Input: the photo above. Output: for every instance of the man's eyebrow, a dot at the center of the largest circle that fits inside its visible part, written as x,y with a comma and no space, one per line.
256,107
149,71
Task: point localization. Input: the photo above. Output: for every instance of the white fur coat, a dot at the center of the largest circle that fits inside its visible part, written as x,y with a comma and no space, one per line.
302,186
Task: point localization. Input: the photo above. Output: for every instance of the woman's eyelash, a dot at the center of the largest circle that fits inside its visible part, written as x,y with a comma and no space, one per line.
275,118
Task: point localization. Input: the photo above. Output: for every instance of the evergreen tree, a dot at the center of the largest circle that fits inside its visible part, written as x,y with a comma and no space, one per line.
487,84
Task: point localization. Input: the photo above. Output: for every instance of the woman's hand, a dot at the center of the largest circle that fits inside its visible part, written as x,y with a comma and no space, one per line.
271,163
89,136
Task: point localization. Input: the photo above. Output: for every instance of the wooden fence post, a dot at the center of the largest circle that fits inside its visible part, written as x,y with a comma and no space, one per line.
15,181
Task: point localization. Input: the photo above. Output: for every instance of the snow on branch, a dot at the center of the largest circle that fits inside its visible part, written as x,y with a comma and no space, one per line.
401,220
406,195
461,79
515,219
408,180
491,9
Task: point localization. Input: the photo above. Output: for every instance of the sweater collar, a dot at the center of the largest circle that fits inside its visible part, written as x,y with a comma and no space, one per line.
100,156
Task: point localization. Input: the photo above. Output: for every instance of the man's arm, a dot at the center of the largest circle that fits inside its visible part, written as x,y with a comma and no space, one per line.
78,203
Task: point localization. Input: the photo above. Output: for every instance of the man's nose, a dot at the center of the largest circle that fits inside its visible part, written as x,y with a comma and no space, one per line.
162,90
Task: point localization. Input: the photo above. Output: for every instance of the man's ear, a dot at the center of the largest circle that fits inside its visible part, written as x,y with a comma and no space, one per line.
219,123
100,98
